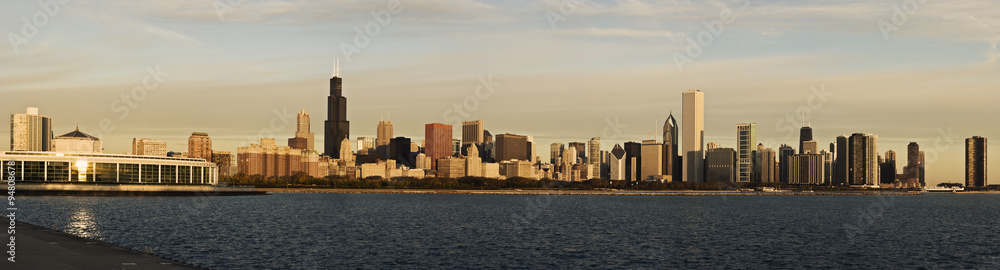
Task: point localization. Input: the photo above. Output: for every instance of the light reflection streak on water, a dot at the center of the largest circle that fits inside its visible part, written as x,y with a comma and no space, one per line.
82,224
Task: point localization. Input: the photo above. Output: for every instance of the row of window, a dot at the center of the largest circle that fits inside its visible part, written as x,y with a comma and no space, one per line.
54,171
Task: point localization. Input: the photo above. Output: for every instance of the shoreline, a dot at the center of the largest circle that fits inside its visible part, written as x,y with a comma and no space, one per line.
588,192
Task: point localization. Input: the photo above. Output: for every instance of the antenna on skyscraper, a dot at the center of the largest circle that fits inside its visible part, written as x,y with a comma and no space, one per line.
336,67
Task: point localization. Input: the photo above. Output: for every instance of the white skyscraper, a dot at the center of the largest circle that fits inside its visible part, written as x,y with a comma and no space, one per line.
694,136
30,131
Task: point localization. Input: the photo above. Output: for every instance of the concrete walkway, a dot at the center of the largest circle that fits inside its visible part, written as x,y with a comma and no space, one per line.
43,248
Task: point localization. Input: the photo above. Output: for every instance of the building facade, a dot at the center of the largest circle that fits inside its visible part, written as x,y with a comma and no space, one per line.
200,146
975,162
148,147
30,131
746,141
104,168
304,138
694,136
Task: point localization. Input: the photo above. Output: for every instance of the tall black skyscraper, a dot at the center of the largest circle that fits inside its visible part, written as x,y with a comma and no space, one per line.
840,170
785,153
337,126
805,135
633,150
671,162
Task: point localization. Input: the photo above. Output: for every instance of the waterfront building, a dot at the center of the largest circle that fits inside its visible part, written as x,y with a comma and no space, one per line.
651,152
53,167
671,160
77,142
720,165
594,158
511,146
766,164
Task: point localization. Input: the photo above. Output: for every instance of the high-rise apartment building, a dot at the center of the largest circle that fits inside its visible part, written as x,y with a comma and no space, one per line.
200,146
975,162
862,159
765,164
30,131
785,153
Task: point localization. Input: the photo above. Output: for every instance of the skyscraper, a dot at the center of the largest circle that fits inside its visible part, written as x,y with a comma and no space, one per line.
337,126
765,164
581,150
746,139
366,144
785,153
912,168
200,146
887,169
594,158
694,136
651,159
303,139
30,131
633,161
840,168
438,140
671,162
555,151
805,135
719,165
511,146
472,133
975,162
399,150
862,159
617,164
382,137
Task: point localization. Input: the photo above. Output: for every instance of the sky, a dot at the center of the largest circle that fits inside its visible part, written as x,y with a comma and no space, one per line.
560,71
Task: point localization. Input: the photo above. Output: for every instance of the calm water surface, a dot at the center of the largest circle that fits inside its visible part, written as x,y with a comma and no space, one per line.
323,231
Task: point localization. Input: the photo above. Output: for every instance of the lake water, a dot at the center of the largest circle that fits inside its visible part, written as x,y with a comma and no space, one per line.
323,231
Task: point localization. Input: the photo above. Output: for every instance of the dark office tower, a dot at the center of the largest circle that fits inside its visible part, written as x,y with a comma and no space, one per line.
805,135
337,126
670,161
975,162
887,168
581,151
840,169
633,161
399,150
784,154
510,147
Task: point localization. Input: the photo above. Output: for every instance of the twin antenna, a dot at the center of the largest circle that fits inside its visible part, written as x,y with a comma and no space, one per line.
336,67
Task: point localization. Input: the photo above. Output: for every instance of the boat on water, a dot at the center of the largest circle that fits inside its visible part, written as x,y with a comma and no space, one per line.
944,189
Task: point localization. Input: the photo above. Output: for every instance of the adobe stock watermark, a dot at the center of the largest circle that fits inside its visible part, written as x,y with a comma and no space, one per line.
565,9
30,28
363,34
790,124
225,6
463,109
704,39
130,100
900,15
866,217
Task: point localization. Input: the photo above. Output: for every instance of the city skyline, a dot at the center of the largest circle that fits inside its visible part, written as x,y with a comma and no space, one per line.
379,79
